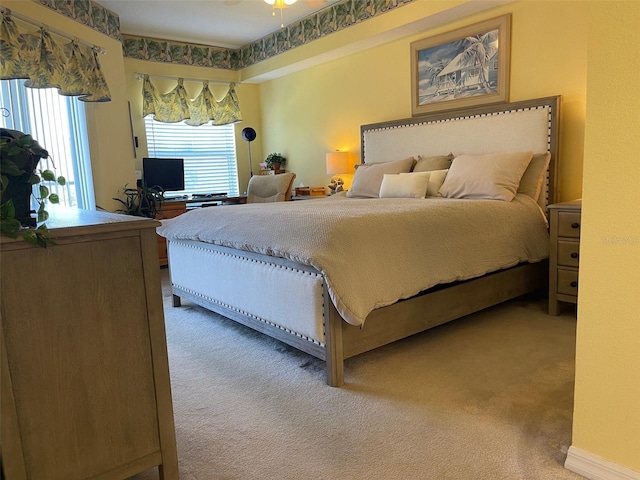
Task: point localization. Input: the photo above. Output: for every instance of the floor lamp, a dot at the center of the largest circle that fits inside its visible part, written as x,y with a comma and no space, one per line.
249,134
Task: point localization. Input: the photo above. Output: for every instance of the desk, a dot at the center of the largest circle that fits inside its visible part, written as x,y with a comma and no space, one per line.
177,206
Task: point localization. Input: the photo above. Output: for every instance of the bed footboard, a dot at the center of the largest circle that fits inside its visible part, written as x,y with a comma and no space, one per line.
239,285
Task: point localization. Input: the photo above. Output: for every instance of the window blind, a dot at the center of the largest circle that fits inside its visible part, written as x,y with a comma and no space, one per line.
58,124
209,153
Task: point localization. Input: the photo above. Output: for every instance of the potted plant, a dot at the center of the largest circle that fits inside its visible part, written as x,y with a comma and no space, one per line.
20,154
275,161
141,201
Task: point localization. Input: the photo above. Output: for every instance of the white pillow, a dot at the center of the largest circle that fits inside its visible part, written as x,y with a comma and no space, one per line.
436,179
494,176
404,185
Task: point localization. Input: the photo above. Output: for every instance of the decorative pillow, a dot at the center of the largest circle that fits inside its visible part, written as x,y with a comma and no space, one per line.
436,179
405,185
533,178
368,177
494,176
437,162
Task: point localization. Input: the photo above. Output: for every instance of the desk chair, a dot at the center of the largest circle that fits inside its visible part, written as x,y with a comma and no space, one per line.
270,188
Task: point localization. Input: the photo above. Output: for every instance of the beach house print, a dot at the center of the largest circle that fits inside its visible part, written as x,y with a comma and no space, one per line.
463,68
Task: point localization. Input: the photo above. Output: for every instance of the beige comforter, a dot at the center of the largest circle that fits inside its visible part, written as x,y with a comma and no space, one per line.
374,252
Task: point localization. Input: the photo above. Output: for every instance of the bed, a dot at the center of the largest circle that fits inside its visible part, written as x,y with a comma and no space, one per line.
352,273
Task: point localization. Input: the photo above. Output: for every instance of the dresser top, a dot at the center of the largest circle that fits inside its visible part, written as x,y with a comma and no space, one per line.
570,205
65,222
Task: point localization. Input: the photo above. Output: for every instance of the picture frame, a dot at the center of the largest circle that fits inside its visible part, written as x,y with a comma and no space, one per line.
461,68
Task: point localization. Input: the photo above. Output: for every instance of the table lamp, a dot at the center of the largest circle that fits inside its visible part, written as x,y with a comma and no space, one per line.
337,163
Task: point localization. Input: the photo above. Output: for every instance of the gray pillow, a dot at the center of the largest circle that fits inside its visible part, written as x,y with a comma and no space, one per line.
436,162
533,178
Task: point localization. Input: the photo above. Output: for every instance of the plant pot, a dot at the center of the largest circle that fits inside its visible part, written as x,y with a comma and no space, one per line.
19,191
275,166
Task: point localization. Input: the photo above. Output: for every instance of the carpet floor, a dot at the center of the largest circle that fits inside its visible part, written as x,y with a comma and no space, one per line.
489,396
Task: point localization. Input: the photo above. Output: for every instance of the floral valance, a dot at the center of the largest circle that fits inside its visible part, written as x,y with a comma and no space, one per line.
45,62
176,106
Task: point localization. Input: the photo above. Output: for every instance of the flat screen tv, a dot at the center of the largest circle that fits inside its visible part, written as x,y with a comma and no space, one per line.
166,173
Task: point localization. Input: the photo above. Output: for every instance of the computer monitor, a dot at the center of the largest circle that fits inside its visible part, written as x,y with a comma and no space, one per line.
166,173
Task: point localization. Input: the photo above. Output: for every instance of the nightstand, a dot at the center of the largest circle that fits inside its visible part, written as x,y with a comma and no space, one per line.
564,253
308,193
307,197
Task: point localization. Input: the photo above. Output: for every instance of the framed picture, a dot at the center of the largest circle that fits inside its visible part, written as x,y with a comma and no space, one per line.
465,67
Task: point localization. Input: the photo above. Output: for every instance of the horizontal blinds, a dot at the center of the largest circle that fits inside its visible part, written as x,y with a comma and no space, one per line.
209,154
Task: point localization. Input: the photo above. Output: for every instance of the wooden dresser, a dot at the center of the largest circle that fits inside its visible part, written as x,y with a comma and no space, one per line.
564,253
85,376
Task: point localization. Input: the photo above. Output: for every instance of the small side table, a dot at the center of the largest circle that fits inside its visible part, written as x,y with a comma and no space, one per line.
564,253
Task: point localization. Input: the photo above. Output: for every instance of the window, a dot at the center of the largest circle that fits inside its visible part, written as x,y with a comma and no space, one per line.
209,153
58,124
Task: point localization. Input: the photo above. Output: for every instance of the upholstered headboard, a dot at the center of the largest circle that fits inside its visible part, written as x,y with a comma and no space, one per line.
508,127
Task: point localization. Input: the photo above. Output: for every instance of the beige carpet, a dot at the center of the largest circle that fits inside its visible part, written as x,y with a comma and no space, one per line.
489,396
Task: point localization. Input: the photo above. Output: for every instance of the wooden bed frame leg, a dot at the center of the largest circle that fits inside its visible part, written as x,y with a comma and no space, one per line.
176,301
333,351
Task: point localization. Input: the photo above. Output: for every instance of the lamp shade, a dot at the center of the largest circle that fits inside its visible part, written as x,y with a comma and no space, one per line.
249,134
281,3
337,162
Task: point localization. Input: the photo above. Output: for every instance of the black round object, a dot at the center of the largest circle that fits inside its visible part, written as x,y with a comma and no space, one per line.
249,134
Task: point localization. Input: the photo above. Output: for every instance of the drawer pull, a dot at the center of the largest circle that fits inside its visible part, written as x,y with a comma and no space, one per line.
574,255
575,225
574,284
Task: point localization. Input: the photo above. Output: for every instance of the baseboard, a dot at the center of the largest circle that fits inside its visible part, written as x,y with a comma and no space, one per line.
596,468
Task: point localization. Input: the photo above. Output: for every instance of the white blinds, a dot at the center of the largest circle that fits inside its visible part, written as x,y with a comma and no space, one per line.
209,154
58,124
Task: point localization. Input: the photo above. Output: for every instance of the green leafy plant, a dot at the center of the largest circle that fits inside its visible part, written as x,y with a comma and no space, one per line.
275,158
141,201
20,154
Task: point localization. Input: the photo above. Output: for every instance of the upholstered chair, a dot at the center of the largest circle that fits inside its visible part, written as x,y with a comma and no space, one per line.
270,188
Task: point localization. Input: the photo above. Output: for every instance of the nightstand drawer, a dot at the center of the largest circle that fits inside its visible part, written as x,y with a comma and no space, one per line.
568,253
567,282
564,253
569,224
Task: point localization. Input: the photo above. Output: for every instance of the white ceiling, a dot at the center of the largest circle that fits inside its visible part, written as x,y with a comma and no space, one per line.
222,23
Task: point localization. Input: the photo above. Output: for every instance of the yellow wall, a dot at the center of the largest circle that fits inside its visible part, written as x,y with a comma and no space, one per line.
108,123
320,109
607,392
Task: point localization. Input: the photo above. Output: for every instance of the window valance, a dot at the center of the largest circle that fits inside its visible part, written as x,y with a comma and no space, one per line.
176,106
45,62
